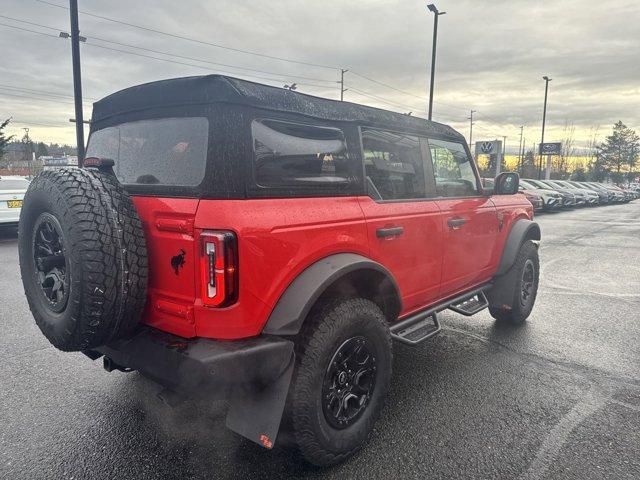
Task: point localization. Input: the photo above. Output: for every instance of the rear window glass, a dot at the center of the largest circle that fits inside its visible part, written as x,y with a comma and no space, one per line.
13,184
293,154
167,151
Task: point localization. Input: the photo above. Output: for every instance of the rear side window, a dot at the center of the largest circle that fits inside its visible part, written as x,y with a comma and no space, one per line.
288,154
393,164
167,151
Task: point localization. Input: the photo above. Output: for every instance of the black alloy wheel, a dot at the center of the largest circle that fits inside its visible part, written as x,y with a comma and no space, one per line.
349,382
527,283
50,264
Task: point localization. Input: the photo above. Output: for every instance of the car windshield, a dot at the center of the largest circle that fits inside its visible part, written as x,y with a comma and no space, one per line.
526,184
166,151
539,184
13,184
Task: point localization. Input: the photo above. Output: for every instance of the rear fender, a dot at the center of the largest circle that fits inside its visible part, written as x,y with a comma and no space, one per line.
300,296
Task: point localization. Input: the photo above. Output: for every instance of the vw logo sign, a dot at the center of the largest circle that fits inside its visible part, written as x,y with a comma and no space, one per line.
486,147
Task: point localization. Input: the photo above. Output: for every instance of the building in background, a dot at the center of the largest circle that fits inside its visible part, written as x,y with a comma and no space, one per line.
50,162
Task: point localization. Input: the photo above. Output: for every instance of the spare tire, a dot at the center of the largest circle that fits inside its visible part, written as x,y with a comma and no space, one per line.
83,258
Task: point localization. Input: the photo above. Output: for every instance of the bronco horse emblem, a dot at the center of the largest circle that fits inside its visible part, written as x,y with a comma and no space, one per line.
177,261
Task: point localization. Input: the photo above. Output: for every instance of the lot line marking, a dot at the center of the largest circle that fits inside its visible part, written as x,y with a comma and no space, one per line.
592,401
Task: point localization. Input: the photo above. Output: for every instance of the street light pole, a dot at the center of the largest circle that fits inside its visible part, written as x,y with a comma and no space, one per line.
436,14
544,121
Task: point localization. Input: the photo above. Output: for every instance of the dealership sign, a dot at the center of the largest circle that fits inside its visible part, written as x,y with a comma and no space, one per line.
550,148
490,147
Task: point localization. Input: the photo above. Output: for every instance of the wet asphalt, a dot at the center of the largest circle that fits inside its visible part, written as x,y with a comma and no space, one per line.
558,398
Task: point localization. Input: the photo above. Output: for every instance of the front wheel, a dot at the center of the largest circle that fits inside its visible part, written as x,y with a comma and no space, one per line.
343,371
521,283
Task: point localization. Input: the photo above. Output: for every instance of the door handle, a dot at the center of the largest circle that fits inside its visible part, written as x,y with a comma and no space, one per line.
389,232
456,222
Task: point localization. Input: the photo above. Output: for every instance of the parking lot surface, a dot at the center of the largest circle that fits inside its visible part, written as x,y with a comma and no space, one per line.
558,398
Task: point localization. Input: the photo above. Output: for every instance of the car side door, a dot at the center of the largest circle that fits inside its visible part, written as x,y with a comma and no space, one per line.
403,221
469,219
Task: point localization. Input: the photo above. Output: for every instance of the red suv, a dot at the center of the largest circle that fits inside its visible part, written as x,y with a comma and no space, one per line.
232,239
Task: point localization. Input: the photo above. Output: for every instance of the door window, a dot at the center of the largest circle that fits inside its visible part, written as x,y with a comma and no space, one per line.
452,168
393,165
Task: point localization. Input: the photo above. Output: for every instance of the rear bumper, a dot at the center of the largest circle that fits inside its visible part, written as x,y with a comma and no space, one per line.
200,365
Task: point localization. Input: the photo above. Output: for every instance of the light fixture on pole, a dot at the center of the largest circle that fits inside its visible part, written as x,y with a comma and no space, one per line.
432,8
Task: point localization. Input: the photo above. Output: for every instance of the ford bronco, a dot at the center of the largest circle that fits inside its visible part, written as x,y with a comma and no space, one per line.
235,240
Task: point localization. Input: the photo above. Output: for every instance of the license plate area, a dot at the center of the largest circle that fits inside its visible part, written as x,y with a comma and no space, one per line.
14,203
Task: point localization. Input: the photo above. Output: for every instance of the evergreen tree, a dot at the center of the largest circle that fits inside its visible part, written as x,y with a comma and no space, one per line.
41,150
4,140
619,151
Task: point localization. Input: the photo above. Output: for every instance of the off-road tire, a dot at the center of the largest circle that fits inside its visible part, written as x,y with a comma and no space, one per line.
105,257
515,312
331,324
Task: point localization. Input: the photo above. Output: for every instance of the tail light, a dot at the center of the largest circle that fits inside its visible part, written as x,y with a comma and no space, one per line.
219,268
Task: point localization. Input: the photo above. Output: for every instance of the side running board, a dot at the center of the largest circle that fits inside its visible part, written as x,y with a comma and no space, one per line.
417,328
470,305
423,325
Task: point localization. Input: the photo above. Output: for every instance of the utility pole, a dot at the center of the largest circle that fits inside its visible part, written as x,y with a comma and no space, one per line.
544,120
520,148
436,14
342,89
28,150
471,128
77,80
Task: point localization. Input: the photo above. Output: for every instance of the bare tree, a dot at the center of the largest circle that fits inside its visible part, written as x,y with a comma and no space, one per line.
560,163
594,168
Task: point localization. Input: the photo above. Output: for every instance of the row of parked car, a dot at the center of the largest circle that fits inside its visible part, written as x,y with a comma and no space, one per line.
552,195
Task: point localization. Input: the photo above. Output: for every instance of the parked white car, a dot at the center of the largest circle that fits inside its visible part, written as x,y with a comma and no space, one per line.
12,190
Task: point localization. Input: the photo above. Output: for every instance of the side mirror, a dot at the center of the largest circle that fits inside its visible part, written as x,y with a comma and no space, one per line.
507,183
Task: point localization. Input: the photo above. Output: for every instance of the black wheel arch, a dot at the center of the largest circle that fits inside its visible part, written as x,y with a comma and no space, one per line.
521,231
341,274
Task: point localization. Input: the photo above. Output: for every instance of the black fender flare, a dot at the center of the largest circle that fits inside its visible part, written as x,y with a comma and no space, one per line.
521,231
302,293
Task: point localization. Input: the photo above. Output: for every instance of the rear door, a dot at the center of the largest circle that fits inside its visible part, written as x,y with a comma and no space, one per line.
403,223
468,219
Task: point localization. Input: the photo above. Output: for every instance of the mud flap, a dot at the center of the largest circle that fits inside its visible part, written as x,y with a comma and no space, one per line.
257,417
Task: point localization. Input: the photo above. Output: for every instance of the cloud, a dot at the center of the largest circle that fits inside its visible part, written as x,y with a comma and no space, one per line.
491,56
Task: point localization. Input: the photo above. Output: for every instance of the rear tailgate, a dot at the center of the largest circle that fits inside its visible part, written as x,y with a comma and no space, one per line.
171,251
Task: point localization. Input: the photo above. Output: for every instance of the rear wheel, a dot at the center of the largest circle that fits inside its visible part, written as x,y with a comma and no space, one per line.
522,282
343,371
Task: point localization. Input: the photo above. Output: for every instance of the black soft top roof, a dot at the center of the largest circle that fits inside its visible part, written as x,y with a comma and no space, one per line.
209,89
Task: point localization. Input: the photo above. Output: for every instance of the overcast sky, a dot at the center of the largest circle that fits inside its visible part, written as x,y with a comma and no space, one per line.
491,57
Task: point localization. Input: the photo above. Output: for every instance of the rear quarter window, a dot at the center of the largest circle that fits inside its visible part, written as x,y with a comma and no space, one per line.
295,155
167,151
